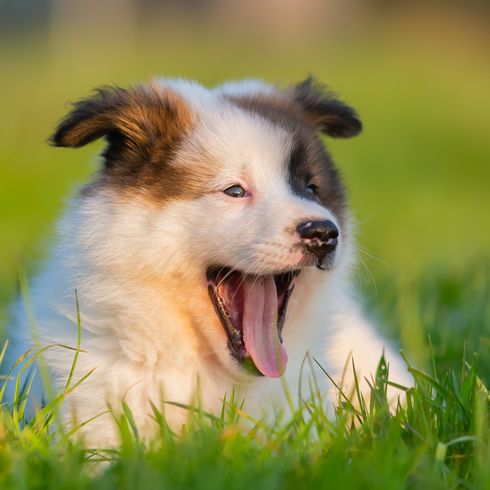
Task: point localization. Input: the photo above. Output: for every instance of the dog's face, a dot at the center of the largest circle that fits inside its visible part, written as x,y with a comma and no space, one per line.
232,197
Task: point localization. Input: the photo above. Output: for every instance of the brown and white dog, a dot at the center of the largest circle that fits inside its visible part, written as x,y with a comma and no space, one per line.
210,253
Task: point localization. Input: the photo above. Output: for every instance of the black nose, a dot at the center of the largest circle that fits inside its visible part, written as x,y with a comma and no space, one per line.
319,237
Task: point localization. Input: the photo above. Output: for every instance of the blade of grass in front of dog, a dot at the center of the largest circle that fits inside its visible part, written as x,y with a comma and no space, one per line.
378,401
129,415
18,391
55,405
5,378
223,407
316,407
8,376
3,351
31,320
360,397
31,355
80,425
342,396
195,410
79,340
49,412
314,387
287,394
24,394
229,408
166,434
432,382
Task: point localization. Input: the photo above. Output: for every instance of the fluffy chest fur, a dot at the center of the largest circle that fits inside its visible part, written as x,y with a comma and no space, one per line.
210,253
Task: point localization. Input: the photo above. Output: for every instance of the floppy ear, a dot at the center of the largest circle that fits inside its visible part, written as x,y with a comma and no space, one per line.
92,118
328,114
130,119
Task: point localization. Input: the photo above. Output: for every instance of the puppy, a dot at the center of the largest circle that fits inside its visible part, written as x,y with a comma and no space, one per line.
211,252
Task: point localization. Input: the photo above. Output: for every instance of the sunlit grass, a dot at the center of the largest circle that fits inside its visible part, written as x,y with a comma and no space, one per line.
438,439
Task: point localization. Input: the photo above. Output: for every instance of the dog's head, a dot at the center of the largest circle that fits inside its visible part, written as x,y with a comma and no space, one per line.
226,196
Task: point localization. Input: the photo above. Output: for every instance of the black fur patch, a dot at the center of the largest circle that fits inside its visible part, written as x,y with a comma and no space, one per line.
325,110
312,174
305,110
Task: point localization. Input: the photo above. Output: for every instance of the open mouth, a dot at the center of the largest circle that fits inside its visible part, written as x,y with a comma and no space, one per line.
252,310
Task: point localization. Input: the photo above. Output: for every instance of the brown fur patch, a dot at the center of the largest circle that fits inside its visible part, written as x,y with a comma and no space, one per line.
144,127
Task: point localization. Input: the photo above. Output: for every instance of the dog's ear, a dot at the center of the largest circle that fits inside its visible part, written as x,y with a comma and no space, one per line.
90,118
331,116
130,119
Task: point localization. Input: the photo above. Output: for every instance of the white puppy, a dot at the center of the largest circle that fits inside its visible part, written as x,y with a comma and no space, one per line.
211,252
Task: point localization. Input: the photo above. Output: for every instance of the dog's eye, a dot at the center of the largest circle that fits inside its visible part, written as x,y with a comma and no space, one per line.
235,191
311,189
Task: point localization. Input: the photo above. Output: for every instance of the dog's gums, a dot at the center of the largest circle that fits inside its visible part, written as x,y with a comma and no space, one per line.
252,310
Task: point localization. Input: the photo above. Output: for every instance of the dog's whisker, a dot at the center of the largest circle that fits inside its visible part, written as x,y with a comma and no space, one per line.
372,256
232,269
242,280
370,275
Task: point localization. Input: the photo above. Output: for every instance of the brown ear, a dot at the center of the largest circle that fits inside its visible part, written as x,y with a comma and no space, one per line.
90,118
328,114
130,119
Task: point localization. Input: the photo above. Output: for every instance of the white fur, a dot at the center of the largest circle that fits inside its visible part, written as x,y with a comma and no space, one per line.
148,327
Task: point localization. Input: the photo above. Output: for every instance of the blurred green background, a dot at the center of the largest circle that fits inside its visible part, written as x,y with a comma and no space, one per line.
418,73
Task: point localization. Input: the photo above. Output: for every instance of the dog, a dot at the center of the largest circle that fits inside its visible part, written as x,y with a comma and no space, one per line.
209,255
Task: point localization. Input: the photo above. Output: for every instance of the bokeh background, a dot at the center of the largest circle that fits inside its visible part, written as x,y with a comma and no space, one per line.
418,176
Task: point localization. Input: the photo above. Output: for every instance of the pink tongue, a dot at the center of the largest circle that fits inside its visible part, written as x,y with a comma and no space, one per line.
260,332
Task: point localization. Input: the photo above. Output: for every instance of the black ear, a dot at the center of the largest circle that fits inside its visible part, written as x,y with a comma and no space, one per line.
330,115
91,118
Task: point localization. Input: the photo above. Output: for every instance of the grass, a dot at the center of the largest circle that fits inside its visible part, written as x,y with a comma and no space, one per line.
418,180
439,439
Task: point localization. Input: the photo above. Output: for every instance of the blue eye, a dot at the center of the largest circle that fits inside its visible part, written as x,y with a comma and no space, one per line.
235,191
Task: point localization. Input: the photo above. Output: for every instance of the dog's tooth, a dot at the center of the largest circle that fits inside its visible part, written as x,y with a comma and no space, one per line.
235,336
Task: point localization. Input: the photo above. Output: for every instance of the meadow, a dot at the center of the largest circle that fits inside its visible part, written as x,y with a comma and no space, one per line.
419,184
